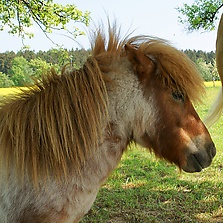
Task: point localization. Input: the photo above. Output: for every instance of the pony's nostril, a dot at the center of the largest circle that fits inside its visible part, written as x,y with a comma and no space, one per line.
212,150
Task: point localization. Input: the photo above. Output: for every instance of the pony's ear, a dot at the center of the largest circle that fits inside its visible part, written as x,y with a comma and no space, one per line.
142,64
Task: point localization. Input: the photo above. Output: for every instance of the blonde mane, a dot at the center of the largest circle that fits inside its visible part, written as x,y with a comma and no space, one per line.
56,124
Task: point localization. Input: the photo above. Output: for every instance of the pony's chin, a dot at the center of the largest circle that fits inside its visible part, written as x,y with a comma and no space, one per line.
199,160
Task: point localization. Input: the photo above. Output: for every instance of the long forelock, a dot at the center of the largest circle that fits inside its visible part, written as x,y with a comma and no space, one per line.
175,69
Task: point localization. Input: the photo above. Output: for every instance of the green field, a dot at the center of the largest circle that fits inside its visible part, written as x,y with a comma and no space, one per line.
145,189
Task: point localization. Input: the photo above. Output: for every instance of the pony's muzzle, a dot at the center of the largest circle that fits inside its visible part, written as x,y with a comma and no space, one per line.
200,159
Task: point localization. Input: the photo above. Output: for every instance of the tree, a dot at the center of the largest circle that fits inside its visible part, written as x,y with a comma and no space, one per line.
39,68
202,14
204,69
5,81
57,56
19,15
20,72
6,60
27,54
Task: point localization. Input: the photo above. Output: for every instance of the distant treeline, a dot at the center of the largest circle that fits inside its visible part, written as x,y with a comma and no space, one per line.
58,57
21,68
208,57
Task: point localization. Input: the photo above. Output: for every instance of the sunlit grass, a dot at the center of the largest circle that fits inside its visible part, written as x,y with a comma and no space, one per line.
9,91
213,84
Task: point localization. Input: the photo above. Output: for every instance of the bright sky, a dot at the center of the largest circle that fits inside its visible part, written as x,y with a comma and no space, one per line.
152,17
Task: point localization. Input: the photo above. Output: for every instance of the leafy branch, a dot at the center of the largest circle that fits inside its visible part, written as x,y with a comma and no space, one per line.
19,15
202,14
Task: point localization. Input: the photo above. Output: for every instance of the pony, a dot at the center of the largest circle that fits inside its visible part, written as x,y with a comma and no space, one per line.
216,109
61,138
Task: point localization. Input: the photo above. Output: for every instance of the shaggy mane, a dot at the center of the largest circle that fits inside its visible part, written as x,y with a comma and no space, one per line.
56,125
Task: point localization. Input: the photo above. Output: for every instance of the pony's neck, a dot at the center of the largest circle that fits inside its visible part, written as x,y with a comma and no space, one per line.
127,105
125,101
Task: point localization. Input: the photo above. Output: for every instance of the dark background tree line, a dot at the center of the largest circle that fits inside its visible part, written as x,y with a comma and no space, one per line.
23,67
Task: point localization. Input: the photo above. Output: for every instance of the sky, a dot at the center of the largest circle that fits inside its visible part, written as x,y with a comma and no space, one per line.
157,18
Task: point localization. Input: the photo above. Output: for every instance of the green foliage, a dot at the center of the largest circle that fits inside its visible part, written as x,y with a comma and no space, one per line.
6,61
78,57
39,67
5,81
208,57
205,63
57,56
26,66
27,54
20,72
207,71
46,14
201,14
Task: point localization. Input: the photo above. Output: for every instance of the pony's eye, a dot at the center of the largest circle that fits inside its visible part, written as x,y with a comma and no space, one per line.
178,96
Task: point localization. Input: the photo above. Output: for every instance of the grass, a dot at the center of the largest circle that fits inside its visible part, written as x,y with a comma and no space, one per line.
145,189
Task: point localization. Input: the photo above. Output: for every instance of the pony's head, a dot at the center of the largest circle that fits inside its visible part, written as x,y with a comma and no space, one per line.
170,82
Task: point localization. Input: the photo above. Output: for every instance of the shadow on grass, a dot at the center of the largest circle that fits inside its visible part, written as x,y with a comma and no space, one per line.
141,190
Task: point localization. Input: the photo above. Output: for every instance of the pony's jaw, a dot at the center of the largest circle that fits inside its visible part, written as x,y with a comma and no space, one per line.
199,154
190,153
